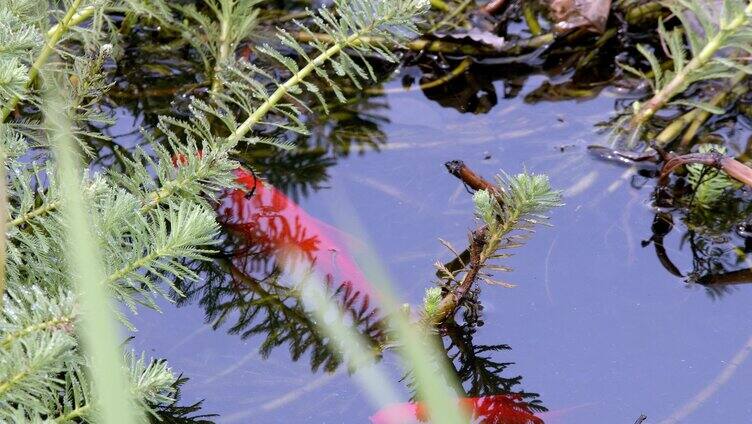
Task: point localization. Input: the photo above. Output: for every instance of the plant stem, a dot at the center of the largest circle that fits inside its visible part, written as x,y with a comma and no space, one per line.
459,9
11,337
736,88
678,82
451,301
41,210
531,19
53,37
224,46
440,5
729,165
77,18
454,73
296,79
696,117
636,14
75,413
447,47
3,222
8,384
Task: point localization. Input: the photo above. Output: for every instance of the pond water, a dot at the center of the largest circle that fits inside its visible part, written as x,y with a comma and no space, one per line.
596,325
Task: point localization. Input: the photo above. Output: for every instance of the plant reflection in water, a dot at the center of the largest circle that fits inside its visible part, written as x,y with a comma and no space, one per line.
245,288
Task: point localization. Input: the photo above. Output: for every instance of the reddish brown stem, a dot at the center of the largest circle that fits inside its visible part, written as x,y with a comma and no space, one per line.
474,182
729,165
493,7
451,301
467,176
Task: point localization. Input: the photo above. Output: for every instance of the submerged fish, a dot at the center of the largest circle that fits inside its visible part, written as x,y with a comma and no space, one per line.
493,409
272,226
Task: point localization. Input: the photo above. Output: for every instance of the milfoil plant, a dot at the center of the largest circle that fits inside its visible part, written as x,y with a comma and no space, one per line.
84,245
711,41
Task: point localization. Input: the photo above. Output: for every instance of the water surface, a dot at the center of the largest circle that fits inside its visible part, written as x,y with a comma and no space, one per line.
596,325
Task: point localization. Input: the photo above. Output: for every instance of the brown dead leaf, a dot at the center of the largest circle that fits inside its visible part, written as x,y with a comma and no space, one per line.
571,14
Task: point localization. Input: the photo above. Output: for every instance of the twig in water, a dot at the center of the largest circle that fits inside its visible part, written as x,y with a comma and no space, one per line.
452,300
454,73
467,176
729,165
493,7
474,182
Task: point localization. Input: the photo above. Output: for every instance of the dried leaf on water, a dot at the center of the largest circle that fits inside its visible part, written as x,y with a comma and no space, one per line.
572,14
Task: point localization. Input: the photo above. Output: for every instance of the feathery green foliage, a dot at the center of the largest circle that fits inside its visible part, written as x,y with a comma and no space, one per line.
353,30
708,184
145,221
510,218
431,300
509,215
718,40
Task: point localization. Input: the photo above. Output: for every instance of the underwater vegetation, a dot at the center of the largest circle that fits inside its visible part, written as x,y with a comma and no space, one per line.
243,110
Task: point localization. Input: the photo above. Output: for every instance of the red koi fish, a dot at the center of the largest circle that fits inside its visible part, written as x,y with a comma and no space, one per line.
274,226
494,409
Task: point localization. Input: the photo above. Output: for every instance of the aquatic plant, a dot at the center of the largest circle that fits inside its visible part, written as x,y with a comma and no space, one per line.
718,40
509,210
708,184
431,300
130,230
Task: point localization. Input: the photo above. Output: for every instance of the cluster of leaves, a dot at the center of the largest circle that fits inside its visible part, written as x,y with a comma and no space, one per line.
709,42
705,31
155,213
509,214
708,185
253,300
512,212
477,369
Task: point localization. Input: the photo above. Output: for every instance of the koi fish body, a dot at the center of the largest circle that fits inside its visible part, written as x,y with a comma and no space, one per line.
493,409
274,226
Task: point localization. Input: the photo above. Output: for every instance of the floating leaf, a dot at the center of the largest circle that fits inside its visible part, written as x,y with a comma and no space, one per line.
573,14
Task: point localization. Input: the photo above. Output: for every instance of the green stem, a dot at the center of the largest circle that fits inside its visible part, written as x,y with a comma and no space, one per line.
41,210
75,413
224,47
459,9
440,5
454,73
10,338
77,18
531,19
3,222
296,79
636,14
736,88
53,37
696,117
672,130
133,266
8,384
677,83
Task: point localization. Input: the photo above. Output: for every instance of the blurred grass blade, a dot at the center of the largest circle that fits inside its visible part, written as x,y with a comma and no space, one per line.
97,325
422,356
356,352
